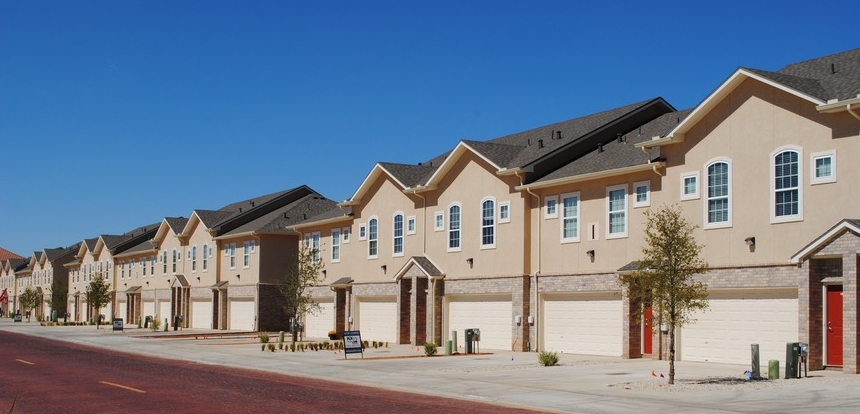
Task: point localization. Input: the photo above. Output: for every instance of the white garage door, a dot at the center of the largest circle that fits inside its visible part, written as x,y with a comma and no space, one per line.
242,315
493,315
377,319
201,314
590,324
724,332
149,309
164,313
317,326
121,312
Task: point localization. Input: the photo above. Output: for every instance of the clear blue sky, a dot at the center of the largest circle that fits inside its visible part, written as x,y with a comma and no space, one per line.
115,114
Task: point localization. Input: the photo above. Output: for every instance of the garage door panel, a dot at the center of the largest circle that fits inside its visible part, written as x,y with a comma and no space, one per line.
583,324
201,314
492,315
734,320
317,326
377,319
242,315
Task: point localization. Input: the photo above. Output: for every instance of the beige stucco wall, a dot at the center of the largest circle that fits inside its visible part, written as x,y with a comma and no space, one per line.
745,129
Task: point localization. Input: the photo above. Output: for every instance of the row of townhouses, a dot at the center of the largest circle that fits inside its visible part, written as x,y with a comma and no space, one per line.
524,236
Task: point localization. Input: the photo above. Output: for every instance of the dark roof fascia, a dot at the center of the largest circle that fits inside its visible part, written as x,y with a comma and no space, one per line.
589,142
145,233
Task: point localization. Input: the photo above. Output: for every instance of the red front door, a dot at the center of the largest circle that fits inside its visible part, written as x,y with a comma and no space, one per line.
647,331
834,326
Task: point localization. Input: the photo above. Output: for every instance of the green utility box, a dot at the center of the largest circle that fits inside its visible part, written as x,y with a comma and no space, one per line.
773,369
792,359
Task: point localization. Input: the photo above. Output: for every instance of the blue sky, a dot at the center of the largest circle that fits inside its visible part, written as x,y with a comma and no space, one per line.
115,114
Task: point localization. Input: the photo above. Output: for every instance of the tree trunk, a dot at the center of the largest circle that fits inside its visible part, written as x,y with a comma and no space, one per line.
671,352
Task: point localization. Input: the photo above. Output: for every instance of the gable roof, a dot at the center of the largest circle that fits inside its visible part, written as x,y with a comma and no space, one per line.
831,83
6,255
846,225
282,220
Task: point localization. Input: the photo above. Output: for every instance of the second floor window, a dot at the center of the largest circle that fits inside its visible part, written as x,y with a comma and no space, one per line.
786,176
718,193
488,223
194,258
398,234
335,245
372,238
246,254
570,217
454,228
205,257
616,203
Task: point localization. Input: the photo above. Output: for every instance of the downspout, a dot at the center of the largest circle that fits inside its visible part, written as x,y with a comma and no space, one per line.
647,151
851,111
536,274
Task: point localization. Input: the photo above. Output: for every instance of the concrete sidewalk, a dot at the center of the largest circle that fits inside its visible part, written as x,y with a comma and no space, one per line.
581,384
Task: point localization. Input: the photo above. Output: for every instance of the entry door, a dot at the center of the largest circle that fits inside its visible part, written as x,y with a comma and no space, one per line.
647,330
834,325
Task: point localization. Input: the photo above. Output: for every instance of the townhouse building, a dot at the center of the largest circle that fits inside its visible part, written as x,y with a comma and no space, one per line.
524,236
9,282
51,277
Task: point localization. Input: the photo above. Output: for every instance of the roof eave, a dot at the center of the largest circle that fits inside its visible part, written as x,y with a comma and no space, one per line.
591,176
834,106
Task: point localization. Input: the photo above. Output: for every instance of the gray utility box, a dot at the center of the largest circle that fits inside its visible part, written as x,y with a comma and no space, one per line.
792,360
473,336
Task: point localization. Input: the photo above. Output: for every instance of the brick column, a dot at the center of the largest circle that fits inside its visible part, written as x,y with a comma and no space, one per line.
849,313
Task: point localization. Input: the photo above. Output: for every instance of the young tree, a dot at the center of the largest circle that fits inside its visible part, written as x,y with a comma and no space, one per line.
302,272
666,277
29,299
98,295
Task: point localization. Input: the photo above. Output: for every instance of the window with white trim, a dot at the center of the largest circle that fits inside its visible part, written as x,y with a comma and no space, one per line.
550,207
346,234
246,254
690,186
570,217
122,270
335,245
362,231
231,251
194,258
143,266
152,265
616,211
505,212
176,256
439,221
718,195
786,181
373,238
454,228
823,167
641,194
316,246
488,223
397,236
205,257
164,262
410,225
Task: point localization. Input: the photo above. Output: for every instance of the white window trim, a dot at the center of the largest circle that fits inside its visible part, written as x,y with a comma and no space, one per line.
439,225
706,199
345,235
578,219
253,246
481,224
547,215
623,234
246,255
367,237
508,218
774,219
647,202
695,195
402,236
336,242
414,225
460,229
813,180
362,231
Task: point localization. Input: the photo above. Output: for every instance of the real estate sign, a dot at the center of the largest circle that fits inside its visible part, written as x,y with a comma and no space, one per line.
352,343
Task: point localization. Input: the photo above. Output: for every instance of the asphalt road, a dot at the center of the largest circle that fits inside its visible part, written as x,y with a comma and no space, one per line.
38,375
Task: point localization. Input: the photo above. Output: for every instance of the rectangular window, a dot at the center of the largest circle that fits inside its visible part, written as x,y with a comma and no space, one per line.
690,186
823,167
488,224
718,193
143,265
176,257
410,225
372,239
439,221
398,235
505,212
362,231
164,262
616,208
253,246
122,270
550,210
205,257
246,254
642,192
454,228
335,245
231,251
194,258
315,246
570,217
346,234
152,265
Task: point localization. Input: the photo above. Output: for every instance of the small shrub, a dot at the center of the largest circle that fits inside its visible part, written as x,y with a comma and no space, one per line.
264,337
280,345
292,347
155,324
548,358
272,347
430,349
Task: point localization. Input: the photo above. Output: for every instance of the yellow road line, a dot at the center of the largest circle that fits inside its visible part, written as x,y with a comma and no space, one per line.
123,387
25,362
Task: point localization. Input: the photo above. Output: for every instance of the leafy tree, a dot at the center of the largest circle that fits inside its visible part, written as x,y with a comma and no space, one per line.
666,277
98,295
29,299
302,272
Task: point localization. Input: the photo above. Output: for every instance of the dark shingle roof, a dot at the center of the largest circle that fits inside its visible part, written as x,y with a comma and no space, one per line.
834,76
306,208
408,174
